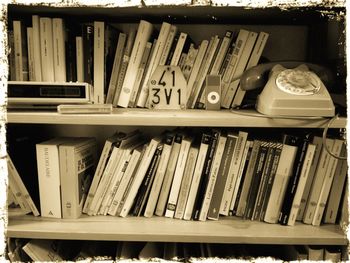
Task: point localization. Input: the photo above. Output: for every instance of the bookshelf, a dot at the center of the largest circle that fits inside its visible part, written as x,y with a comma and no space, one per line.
303,42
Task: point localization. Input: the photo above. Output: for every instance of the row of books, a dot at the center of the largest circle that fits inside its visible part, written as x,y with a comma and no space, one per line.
120,65
20,250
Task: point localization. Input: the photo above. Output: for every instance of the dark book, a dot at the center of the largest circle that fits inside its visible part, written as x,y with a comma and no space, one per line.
70,47
88,52
172,50
254,186
302,143
205,174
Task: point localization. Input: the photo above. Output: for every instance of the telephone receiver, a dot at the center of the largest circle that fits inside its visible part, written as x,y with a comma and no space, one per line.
292,89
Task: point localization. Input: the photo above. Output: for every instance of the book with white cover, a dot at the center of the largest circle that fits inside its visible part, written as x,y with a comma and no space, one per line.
79,58
301,184
225,43
177,178
203,149
168,44
46,47
154,62
240,67
59,49
159,176
77,160
20,50
327,182
283,173
316,186
143,34
212,177
253,61
30,49
43,250
99,36
15,179
232,65
183,38
145,162
36,48
47,153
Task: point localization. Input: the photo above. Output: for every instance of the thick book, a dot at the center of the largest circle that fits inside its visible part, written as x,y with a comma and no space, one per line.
140,174
220,183
77,160
302,142
213,174
279,185
241,66
143,35
46,46
36,48
169,175
20,50
197,175
159,176
178,175
59,49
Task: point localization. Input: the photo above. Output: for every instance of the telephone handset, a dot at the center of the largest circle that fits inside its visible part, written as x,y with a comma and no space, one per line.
292,89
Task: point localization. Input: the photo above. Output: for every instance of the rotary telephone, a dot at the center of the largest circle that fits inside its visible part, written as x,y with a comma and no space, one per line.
292,89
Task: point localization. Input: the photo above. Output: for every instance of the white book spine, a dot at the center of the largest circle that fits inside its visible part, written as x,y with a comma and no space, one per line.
283,173
301,184
79,58
232,65
99,36
253,61
143,34
241,65
221,53
317,183
212,178
46,46
36,48
145,162
154,62
30,45
17,36
59,49
233,174
327,183
168,43
179,171
178,50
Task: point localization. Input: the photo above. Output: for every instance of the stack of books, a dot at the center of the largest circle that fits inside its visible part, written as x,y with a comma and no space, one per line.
120,64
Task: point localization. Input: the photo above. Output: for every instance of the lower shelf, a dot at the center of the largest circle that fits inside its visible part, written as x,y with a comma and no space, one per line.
226,230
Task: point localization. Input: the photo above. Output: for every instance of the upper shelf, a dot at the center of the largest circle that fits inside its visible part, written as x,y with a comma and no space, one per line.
175,118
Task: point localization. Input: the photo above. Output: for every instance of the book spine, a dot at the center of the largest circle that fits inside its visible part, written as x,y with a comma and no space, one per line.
143,34
212,178
12,55
31,67
178,49
20,48
59,49
241,65
46,46
36,48
168,44
219,59
79,58
98,65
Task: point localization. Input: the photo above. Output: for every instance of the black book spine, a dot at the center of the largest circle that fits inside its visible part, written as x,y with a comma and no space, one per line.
88,52
302,144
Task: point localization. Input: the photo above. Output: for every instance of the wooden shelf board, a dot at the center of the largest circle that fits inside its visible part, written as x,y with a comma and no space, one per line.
145,117
225,230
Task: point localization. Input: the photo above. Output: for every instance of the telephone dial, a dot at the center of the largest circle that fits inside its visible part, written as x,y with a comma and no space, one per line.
292,89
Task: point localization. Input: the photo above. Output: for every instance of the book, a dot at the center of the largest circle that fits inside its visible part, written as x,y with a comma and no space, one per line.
178,175
219,58
317,182
59,49
30,51
169,175
118,56
327,182
301,184
20,50
36,48
87,33
20,190
46,46
197,175
47,153
189,61
159,176
186,181
77,160
283,173
71,32
153,62
240,67
336,191
183,41
142,37
79,58
302,143
214,169
167,47
140,174
253,61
